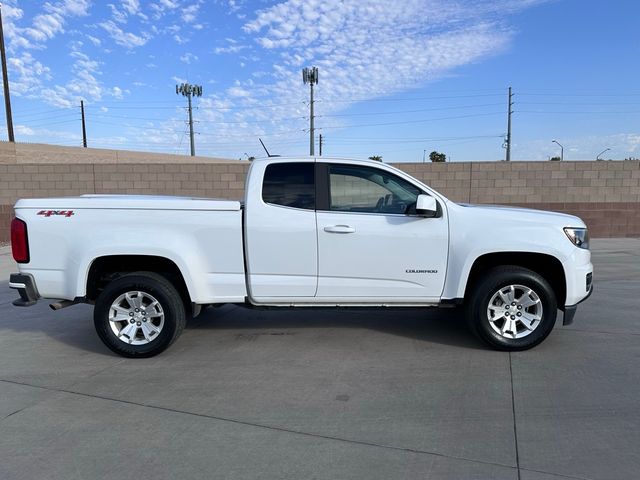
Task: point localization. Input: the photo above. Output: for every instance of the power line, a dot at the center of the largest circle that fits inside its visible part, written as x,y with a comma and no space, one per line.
421,140
596,112
270,120
410,99
45,112
53,123
580,94
579,104
166,129
413,121
202,107
54,117
457,107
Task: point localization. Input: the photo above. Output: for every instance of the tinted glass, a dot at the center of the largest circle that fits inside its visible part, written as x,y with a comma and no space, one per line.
290,185
369,190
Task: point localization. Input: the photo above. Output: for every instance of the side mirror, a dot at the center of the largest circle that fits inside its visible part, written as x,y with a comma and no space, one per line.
427,206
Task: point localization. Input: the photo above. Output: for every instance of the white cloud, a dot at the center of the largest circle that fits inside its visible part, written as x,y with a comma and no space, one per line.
234,5
180,40
131,6
122,38
162,7
116,92
48,25
30,74
238,92
16,38
119,16
190,13
84,83
188,58
24,130
230,49
364,49
169,4
96,41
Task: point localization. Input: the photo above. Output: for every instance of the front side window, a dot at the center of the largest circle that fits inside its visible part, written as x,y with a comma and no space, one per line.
369,190
290,185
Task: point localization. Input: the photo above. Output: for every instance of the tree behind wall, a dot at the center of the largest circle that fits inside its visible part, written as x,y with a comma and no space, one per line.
437,157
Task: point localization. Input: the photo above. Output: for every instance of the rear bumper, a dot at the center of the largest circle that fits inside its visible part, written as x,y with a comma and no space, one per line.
26,287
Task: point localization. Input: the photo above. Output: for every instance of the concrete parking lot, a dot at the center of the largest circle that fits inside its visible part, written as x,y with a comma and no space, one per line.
375,394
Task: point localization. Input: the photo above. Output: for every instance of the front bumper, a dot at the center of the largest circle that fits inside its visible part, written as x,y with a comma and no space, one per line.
570,310
26,286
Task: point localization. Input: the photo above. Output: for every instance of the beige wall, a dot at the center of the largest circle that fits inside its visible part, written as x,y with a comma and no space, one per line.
605,194
22,153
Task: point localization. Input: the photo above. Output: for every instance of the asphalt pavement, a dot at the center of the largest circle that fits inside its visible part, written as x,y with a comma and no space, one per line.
322,394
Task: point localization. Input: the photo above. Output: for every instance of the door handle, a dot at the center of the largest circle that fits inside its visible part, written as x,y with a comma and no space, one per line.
339,229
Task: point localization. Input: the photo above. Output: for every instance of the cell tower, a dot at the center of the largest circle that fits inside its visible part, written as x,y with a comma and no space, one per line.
310,76
188,90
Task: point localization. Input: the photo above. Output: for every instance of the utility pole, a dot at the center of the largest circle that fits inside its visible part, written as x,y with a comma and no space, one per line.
5,80
509,112
84,128
310,76
188,90
320,141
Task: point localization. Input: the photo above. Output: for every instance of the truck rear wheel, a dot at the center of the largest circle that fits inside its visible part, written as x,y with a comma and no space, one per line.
512,308
139,315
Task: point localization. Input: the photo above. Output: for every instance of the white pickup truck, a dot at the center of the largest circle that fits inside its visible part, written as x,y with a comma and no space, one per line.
311,232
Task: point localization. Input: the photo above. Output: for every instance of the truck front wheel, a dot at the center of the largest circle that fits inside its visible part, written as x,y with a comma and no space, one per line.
512,308
139,314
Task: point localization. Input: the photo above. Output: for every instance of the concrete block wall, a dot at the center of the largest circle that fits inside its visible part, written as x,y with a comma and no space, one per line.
28,153
604,194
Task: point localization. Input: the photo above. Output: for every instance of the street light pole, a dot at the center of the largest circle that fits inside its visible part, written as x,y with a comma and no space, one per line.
605,150
561,149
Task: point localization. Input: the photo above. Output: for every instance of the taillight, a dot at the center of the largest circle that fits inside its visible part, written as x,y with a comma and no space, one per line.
19,241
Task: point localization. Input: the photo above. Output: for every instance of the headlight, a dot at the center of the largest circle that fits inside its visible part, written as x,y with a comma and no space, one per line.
578,236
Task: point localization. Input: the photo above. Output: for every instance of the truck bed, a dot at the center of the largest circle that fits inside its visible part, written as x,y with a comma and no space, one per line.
132,202
202,237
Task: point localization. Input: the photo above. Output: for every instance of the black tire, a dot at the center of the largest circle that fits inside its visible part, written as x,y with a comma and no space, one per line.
491,283
150,284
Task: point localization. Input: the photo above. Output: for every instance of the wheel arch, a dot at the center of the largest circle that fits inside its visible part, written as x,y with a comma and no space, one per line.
106,268
548,266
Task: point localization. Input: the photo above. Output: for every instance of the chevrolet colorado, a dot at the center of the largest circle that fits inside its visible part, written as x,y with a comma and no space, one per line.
310,232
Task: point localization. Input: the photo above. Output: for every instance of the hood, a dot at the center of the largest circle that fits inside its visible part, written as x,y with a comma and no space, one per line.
519,214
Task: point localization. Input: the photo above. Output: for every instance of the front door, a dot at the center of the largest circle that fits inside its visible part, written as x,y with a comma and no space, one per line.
370,245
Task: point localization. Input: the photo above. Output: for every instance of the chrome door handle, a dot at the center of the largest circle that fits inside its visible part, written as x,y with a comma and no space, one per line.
339,229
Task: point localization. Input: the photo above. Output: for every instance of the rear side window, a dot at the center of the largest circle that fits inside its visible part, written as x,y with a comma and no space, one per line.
290,185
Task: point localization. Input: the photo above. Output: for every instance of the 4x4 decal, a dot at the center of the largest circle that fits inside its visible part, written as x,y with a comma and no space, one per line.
48,213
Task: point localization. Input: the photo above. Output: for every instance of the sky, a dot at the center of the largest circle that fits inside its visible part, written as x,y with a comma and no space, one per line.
396,79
